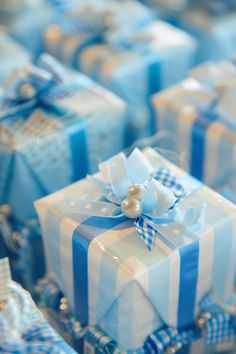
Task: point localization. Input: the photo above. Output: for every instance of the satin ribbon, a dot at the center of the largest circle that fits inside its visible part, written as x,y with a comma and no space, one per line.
35,85
158,203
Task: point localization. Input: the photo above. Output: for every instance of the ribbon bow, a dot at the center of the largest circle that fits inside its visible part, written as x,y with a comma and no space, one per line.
134,193
42,84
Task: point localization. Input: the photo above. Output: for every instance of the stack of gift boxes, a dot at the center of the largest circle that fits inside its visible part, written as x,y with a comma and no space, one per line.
124,249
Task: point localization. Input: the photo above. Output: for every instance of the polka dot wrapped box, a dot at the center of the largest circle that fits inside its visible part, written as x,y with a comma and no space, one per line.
138,247
55,127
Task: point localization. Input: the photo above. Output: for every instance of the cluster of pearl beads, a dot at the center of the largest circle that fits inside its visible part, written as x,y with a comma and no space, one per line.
132,205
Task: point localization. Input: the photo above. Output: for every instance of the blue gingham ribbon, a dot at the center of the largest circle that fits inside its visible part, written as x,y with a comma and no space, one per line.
22,327
34,85
156,204
214,324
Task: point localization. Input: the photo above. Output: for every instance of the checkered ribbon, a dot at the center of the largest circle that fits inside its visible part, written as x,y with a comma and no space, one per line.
144,228
100,340
218,328
165,177
22,327
46,83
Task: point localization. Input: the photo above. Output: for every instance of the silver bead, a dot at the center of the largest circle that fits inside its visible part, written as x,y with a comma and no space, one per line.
27,91
132,208
136,191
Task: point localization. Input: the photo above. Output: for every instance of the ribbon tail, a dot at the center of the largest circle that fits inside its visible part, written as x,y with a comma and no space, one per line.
146,232
93,208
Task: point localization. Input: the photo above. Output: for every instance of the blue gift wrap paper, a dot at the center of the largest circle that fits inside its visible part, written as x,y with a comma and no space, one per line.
105,269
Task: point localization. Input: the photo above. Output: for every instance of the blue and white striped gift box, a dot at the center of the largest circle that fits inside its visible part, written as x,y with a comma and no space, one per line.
201,123
112,280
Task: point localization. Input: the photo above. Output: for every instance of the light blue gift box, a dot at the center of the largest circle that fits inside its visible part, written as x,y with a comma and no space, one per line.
47,145
12,55
215,34
109,276
199,117
134,60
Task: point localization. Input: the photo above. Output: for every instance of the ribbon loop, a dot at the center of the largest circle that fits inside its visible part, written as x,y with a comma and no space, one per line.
132,192
32,85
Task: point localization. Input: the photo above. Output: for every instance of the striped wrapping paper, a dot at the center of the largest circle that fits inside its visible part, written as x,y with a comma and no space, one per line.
205,135
112,280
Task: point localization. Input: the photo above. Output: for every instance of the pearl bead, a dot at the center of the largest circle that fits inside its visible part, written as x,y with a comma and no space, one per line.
27,91
136,191
132,208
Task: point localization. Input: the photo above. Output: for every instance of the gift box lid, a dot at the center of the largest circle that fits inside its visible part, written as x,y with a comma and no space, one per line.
105,269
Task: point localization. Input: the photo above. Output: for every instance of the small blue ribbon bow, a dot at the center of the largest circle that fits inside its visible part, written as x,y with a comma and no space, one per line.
133,192
33,85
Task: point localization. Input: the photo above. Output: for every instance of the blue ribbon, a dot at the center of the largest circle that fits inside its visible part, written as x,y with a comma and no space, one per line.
41,85
156,204
214,324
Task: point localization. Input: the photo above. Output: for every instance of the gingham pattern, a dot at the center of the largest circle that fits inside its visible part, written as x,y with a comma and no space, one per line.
164,176
218,328
5,277
146,232
22,328
100,340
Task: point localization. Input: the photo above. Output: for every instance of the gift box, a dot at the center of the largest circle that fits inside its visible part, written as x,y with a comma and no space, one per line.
126,242
23,328
212,23
199,116
53,131
142,50
10,50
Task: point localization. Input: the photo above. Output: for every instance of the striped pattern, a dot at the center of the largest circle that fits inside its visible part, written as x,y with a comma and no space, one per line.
122,276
